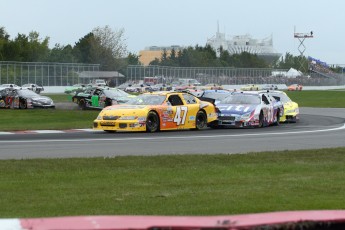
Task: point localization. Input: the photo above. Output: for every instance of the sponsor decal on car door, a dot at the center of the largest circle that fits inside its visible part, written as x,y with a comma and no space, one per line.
174,117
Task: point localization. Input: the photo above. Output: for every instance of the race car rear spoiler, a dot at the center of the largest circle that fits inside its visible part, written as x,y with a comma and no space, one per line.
211,100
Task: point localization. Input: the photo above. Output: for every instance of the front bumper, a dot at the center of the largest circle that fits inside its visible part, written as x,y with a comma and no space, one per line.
289,118
235,124
117,125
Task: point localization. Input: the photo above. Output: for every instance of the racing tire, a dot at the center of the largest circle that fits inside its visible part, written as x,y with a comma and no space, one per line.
110,131
278,118
23,104
200,120
152,122
293,120
261,120
214,125
82,104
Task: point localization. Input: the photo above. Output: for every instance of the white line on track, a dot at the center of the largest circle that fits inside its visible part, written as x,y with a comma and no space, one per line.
47,131
179,137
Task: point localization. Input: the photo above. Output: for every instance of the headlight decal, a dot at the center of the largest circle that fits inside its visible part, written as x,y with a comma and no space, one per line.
128,118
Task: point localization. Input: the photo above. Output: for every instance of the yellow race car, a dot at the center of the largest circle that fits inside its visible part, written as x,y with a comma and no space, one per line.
291,109
156,111
251,87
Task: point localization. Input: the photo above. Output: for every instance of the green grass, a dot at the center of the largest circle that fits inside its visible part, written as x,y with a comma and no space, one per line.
45,119
325,98
174,185
59,97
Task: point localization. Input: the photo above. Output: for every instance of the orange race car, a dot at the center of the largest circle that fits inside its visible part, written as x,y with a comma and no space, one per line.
295,87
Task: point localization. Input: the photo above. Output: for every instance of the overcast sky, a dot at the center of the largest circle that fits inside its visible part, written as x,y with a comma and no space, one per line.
185,22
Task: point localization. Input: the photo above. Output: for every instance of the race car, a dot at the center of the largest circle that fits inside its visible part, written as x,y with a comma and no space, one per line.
24,99
9,86
76,88
212,86
295,87
251,87
269,87
291,109
34,87
156,111
98,97
248,109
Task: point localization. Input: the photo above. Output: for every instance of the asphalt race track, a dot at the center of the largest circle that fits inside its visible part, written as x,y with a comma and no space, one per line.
317,128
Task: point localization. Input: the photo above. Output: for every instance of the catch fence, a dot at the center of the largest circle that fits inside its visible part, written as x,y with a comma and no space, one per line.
63,74
231,76
44,73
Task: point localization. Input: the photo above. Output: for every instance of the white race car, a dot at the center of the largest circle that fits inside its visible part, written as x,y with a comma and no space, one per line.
248,109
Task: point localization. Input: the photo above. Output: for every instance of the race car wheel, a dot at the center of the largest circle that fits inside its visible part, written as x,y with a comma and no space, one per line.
200,120
82,104
152,122
277,117
261,120
214,125
110,131
22,104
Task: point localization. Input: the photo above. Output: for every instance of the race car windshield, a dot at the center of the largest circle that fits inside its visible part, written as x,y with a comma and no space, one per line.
146,99
241,99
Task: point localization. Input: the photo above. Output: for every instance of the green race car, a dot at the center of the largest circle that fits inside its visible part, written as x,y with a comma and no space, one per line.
99,98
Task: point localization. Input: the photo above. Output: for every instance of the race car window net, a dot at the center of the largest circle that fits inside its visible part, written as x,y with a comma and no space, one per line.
175,100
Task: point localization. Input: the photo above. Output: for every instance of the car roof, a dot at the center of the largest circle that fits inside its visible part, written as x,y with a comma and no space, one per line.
248,93
166,93
216,91
275,91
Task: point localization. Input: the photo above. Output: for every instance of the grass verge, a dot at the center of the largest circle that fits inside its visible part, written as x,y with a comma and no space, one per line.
174,185
323,99
38,119
60,97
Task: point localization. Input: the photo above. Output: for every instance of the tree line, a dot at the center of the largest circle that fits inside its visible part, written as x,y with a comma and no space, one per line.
108,48
102,46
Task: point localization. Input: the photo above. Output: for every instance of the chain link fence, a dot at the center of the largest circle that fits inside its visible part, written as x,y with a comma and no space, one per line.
231,76
63,74
44,73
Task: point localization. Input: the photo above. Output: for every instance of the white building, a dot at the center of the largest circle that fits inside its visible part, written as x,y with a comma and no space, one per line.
245,43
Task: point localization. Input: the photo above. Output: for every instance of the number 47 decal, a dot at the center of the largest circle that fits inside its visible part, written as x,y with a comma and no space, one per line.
180,119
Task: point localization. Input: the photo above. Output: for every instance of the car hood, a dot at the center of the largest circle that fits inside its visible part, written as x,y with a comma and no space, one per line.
125,107
122,98
237,109
125,110
41,98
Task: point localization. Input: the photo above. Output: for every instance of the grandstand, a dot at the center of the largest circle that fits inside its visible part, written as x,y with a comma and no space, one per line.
320,67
